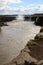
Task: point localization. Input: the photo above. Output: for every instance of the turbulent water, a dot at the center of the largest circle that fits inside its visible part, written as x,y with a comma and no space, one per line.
14,37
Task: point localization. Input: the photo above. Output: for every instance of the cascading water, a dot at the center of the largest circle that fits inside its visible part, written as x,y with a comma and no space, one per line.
20,18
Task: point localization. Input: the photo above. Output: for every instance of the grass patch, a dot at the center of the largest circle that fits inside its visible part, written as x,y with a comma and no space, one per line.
31,43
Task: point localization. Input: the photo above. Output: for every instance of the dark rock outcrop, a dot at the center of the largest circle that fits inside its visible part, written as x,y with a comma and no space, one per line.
6,19
39,21
27,63
26,18
3,24
41,30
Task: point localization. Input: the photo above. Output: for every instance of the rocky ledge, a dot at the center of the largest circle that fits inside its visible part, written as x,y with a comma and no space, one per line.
39,21
3,24
32,54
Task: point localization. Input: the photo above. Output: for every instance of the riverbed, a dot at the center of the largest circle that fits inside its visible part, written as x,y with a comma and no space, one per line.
14,37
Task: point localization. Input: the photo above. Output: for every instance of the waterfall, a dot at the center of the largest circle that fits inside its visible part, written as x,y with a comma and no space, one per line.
20,18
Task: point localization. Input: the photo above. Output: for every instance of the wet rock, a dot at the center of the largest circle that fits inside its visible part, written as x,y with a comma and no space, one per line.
3,24
27,63
39,21
41,30
7,18
26,18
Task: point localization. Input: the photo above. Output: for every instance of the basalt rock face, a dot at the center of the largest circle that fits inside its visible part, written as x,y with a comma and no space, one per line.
6,19
39,21
32,54
33,18
26,18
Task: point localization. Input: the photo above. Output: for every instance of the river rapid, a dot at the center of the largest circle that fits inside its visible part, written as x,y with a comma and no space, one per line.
14,37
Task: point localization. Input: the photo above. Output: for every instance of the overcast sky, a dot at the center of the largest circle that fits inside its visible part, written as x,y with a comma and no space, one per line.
21,6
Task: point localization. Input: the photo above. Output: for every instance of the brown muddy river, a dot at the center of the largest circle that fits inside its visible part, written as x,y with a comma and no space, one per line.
14,37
